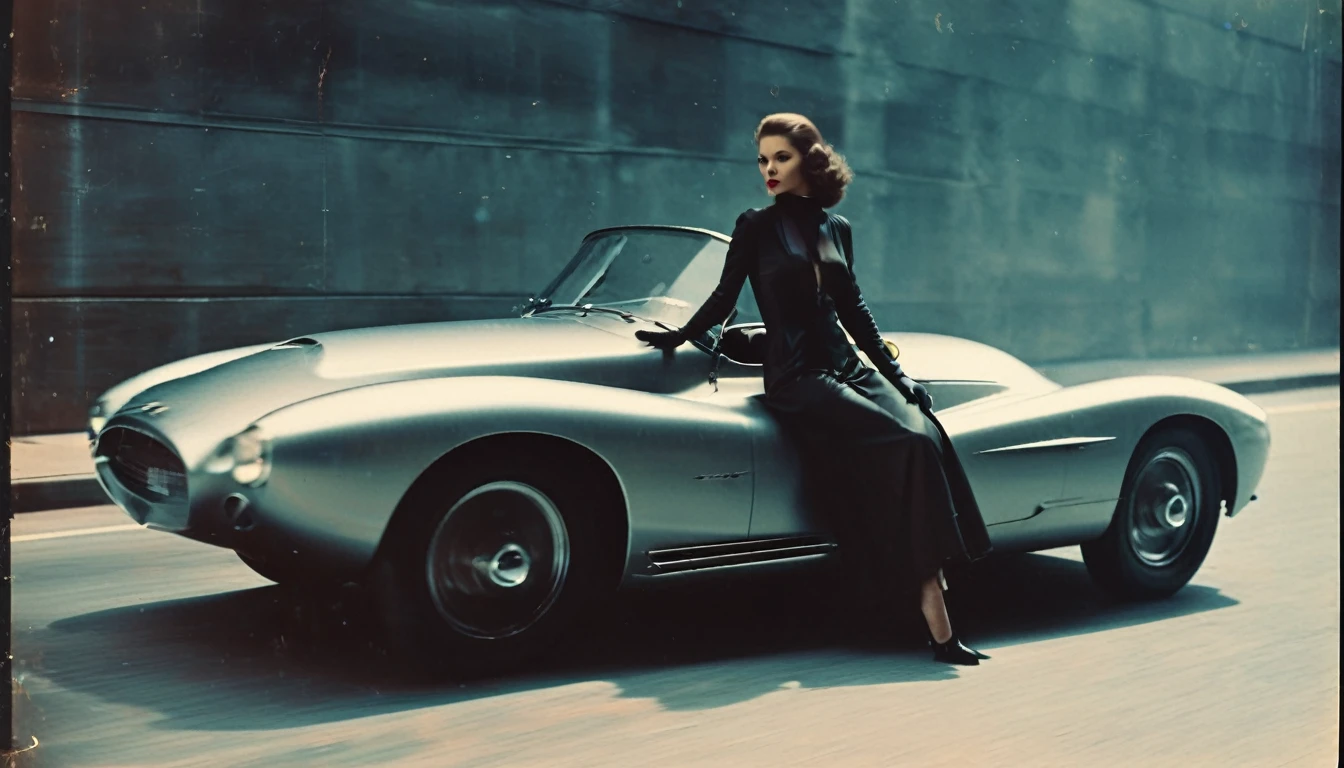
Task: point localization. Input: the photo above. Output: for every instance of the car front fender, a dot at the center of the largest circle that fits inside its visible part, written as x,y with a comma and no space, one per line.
341,463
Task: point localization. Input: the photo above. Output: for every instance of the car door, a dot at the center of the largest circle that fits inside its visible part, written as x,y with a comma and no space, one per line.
777,508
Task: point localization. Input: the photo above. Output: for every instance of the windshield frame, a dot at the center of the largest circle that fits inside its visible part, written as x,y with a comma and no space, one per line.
574,261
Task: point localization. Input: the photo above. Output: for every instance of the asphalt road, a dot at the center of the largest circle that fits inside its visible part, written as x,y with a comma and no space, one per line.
137,648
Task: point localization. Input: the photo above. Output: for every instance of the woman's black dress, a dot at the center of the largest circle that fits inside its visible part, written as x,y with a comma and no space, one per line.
869,449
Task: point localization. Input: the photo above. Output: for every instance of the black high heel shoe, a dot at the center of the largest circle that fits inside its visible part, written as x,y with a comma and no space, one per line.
954,652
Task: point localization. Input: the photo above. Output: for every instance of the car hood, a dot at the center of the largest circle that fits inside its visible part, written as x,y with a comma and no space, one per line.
195,412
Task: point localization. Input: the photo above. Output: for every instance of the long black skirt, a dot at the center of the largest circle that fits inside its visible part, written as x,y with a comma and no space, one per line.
885,474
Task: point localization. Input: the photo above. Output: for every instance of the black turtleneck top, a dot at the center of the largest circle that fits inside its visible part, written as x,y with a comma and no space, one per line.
782,250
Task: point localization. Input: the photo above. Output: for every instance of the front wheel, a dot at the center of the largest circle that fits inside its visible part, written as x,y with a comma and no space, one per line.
493,567
1165,520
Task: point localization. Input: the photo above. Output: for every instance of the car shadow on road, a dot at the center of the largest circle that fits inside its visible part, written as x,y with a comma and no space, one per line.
266,658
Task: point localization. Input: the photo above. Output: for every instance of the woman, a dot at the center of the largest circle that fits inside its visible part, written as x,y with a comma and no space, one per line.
920,512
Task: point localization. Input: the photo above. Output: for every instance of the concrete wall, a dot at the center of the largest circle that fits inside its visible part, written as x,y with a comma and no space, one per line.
1066,179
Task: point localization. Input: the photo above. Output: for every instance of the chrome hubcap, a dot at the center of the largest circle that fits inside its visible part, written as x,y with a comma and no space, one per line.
1178,506
1165,507
497,560
509,566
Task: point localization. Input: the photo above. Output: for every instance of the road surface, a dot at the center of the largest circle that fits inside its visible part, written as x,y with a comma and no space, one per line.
139,648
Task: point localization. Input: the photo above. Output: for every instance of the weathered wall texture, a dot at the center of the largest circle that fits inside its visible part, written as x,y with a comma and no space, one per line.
1063,178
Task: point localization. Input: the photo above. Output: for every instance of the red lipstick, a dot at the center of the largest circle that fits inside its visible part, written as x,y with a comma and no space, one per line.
772,183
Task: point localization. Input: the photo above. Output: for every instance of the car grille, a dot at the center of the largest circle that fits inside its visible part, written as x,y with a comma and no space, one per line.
143,465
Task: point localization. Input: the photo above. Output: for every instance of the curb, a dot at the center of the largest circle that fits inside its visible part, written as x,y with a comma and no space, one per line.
41,494
1285,384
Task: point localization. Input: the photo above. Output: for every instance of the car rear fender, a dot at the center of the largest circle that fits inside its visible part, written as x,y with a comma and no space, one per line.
1107,420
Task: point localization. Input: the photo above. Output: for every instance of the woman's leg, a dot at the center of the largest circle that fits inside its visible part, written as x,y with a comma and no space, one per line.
933,496
908,515
933,607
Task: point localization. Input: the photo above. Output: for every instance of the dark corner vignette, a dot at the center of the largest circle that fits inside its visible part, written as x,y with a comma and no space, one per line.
6,324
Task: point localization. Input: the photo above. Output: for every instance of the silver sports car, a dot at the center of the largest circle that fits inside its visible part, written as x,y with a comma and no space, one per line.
495,478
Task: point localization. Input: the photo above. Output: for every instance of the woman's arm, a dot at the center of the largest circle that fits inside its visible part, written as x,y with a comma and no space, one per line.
853,310
858,320
736,266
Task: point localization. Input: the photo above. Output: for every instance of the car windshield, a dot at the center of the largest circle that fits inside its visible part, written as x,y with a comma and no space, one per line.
658,274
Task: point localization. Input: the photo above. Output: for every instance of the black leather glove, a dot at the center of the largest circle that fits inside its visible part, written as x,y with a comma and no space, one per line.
915,393
661,339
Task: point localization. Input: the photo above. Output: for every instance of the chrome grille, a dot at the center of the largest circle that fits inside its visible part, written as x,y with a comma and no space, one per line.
143,465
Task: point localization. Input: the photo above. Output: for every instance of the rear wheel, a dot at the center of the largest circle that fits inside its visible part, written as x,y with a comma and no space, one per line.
1165,521
493,565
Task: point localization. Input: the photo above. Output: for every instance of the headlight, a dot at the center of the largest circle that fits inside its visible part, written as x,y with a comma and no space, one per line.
246,456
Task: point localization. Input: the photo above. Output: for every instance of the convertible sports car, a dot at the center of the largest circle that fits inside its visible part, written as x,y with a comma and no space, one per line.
495,478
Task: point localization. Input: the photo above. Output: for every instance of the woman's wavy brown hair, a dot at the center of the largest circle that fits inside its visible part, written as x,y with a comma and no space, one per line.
825,170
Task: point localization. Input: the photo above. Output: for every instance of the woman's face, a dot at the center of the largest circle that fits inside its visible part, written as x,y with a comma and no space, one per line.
781,166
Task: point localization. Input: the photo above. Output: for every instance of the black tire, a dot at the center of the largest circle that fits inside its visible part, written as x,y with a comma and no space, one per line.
290,575
274,571
1164,522
499,511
